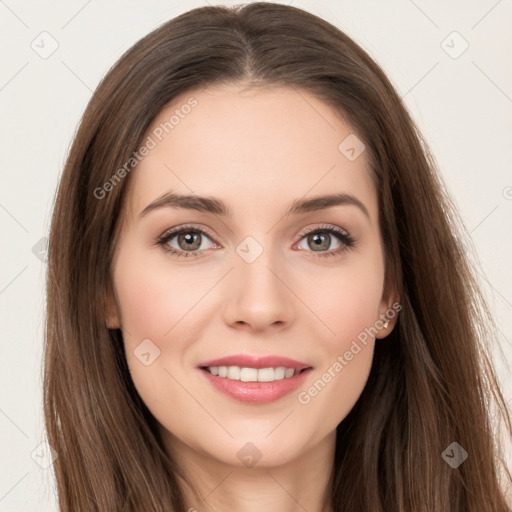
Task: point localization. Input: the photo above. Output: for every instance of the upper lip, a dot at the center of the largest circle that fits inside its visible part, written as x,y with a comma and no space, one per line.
247,361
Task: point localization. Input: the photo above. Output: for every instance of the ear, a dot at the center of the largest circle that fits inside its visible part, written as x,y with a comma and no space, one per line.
112,316
388,310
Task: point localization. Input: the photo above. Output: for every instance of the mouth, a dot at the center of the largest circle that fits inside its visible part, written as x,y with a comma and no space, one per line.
247,374
255,380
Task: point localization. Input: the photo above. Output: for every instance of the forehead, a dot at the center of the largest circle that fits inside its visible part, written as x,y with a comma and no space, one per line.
254,148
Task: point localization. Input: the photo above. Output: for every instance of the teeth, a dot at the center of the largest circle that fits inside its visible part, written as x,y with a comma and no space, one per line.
253,374
289,372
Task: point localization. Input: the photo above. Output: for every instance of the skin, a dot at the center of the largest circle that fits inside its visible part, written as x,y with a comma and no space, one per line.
257,150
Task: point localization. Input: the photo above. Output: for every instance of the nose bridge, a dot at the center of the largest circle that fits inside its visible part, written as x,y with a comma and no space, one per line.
258,295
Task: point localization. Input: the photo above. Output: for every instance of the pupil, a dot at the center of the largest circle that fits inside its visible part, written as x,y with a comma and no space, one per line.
191,241
320,241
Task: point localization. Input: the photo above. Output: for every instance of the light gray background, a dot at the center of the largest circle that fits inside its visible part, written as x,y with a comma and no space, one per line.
463,106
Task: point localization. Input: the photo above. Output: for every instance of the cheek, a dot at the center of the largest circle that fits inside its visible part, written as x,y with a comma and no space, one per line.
346,299
348,307
161,305
154,300
154,305
143,301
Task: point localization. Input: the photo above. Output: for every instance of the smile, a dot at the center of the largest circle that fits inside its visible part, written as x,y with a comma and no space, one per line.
255,391
246,374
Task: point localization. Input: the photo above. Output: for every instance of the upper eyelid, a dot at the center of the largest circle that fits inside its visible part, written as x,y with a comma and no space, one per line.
172,232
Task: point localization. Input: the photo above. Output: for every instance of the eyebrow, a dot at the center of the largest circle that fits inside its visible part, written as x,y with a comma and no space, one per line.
218,207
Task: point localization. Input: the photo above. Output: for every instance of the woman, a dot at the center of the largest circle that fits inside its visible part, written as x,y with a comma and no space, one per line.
256,297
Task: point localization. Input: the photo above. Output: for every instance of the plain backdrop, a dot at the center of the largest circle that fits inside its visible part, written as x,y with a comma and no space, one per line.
450,61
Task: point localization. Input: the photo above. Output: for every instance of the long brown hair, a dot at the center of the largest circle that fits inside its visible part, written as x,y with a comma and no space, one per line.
431,383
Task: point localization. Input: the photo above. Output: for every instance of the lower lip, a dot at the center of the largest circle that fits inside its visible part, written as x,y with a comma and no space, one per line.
256,392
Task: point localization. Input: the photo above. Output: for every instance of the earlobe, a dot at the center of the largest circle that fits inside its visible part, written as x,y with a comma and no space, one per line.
390,307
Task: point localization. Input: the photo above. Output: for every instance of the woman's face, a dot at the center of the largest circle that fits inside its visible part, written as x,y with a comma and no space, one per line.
254,281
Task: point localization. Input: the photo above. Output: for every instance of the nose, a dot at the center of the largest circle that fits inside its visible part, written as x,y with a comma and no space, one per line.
259,296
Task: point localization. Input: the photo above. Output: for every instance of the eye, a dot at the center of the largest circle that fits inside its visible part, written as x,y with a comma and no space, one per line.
321,238
189,240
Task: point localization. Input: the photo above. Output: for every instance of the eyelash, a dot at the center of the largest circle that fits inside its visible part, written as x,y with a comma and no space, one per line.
348,242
